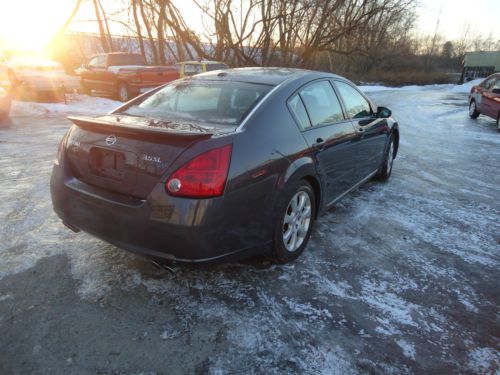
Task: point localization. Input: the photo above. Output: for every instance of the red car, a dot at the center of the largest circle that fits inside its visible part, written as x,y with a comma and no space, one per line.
484,99
124,75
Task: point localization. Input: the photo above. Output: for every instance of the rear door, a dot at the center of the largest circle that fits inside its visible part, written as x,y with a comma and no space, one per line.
330,136
371,131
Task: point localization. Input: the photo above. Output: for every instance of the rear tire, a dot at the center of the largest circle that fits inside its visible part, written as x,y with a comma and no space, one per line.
123,92
386,169
295,222
473,112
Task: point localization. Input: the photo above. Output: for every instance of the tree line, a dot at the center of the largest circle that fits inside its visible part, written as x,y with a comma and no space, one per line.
352,37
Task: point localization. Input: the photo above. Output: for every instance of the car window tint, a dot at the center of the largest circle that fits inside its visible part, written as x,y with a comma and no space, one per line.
101,61
297,107
321,103
212,67
488,83
93,61
204,101
356,105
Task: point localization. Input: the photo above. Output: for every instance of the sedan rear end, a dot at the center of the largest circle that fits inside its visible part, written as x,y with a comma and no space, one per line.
151,177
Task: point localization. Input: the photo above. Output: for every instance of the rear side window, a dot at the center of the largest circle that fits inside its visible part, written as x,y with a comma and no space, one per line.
219,102
321,103
297,107
356,104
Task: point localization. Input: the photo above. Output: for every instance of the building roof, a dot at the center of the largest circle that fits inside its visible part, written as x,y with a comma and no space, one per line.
483,59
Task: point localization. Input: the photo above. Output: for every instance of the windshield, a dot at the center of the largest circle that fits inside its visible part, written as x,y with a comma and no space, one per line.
218,102
121,60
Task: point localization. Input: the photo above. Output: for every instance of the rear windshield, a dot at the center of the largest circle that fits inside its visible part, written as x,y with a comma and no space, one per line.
120,60
218,102
212,67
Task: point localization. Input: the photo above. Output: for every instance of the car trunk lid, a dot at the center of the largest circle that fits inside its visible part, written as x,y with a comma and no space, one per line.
128,155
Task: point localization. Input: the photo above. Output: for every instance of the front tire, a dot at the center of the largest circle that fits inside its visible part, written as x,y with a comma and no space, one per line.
386,170
123,92
295,222
473,112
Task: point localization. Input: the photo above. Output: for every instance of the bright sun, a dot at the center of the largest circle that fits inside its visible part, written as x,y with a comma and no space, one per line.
30,24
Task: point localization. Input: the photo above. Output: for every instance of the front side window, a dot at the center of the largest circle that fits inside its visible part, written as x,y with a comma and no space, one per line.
496,84
93,62
101,61
487,83
219,102
356,104
321,103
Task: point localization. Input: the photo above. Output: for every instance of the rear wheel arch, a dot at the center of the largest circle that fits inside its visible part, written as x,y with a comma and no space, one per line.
303,169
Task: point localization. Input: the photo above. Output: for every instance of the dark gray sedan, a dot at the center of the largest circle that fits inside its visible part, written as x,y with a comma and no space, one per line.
222,165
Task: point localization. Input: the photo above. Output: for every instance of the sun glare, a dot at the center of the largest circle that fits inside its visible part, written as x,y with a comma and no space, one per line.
31,24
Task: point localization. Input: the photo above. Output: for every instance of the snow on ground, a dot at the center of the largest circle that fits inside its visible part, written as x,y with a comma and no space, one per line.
76,104
399,277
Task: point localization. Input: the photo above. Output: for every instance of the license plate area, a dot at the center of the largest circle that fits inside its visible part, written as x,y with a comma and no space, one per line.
107,163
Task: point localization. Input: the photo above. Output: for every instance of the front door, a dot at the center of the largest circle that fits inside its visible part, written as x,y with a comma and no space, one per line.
491,100
330,136
371,131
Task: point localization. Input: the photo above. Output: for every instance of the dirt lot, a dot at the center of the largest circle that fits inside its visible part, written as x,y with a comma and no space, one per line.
399,277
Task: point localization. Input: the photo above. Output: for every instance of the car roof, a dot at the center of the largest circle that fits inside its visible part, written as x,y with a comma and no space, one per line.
264,76
201,62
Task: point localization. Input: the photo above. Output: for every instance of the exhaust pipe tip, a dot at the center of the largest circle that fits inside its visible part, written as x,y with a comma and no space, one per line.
161,266
73,228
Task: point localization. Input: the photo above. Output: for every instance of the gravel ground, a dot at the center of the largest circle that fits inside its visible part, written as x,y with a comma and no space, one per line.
399,277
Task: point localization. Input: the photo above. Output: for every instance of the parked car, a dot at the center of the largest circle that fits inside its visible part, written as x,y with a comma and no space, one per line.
124,75
190,68
222,166
34,74
5,101
485,99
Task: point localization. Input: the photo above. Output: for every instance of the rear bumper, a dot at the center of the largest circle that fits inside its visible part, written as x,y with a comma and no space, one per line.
176,229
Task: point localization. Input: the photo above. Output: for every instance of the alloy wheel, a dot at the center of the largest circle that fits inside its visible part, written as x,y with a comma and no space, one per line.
297,221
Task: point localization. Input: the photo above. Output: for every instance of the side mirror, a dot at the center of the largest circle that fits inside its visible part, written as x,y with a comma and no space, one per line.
383,112
496,91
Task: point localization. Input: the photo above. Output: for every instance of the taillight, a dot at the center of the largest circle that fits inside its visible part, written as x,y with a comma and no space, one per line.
202,177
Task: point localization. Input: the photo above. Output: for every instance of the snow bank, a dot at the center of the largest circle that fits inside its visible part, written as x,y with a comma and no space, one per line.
466,87
76,104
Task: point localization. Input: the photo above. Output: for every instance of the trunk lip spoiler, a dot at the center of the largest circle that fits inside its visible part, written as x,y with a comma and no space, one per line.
95,123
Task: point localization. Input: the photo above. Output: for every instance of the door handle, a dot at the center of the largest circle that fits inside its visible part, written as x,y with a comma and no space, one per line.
320,144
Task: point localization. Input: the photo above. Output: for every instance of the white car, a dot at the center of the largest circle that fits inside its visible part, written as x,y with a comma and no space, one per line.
4,104
35,74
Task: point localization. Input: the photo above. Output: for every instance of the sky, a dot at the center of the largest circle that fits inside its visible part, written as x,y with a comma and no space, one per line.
29,24
482,15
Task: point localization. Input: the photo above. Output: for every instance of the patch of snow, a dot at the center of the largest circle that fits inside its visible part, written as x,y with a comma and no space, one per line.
408,349
6,297
466,87
76,104
484,361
